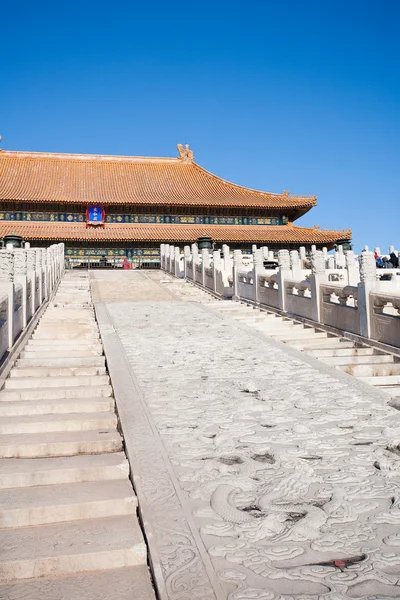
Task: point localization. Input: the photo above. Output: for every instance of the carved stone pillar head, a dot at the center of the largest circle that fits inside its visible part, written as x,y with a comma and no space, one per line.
20,261
294,258
6,265
237,258
367,267
350,258
38,259
317,262
258,258
205,255
284,260
31,259
186,251
216,258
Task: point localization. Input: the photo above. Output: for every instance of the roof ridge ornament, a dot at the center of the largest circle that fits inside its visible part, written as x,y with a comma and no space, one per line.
185,153
0,142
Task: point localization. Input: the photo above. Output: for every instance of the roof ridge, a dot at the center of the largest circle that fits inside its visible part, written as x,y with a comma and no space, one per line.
262,192
88,157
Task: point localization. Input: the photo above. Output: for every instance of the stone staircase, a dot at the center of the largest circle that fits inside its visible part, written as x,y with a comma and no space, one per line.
68,513
373,366
370,364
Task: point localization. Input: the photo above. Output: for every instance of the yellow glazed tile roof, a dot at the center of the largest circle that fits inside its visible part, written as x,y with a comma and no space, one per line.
128,180
129,232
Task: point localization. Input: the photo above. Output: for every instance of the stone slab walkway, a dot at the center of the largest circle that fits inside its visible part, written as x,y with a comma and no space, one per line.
260,473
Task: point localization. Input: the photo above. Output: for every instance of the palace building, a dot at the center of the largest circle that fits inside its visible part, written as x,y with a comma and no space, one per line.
118,206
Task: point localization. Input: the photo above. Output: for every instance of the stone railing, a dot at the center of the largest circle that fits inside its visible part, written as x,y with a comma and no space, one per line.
27,278
343,294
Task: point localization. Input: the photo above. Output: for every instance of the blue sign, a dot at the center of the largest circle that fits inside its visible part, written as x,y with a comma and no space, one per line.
95,215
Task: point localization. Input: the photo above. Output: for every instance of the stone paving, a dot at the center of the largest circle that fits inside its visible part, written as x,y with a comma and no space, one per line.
263,474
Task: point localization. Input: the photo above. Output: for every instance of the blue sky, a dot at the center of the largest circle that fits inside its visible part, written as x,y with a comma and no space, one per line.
299,95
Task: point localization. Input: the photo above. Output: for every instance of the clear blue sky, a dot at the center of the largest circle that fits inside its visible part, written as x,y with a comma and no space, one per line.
299,95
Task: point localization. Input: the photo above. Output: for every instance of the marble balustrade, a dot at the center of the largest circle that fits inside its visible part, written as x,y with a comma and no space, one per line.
28,277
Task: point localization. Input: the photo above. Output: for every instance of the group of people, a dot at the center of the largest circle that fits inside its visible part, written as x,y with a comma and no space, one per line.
383,262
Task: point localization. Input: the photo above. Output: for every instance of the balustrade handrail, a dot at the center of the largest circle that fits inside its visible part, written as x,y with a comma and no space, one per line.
336,292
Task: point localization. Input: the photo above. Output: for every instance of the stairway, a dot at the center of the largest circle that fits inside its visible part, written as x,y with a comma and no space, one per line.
369,364
68,513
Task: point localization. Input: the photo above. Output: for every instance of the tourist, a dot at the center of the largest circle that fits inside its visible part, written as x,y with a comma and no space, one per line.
126,265
378,260
394,260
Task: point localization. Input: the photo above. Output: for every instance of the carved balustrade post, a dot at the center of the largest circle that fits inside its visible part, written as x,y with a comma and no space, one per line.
20,277
283,275
50,274
318,276
205,263
351,267
39,275
172,260
178,272
258,269
195,255
162,256
237,266
44,273
254,248
186,258
326,257
31,274
227,259
303,258
216,266
265,251
167,258
367,284
61,254
295,264
7,287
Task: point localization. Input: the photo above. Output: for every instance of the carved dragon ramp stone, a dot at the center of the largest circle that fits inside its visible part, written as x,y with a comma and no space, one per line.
261,475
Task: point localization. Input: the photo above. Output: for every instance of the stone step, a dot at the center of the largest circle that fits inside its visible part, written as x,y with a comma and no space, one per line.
298,334
69,443
29,506
316,344
28,472
84,344
374,370
69,299
70,305
18,383
103,421
54,393
59,406
342,352
129,583
32,352
53,314
62,361
251,319
53,335
66,328
349,361
382,380
276,324
89,371
75,547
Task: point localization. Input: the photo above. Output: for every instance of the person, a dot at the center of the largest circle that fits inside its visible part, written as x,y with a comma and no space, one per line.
394,260
386,263
125,265
378,260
